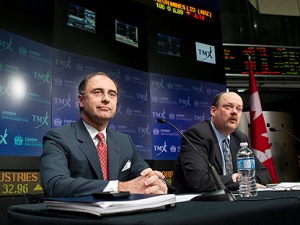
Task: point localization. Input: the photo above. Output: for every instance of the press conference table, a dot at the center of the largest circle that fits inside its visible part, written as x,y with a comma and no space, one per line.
267,208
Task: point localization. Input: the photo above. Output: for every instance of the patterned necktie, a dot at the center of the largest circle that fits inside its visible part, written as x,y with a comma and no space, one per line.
227,156
102,154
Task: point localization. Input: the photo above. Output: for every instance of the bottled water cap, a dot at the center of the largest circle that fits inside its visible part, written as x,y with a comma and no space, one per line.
243,144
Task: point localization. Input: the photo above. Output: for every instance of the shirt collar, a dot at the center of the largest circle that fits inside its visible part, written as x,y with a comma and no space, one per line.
93,132
220,136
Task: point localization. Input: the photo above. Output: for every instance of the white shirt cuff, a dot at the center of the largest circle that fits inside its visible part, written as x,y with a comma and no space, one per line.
112,186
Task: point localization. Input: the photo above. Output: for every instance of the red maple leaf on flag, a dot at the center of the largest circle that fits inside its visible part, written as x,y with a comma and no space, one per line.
259,136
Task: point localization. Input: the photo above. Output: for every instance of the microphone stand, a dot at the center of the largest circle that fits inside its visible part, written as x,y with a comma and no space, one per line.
273,129
222,193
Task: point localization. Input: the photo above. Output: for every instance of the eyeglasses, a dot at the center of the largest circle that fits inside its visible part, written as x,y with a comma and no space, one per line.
100,93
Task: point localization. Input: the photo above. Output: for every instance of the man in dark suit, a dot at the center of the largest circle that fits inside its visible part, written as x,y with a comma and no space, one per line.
191,172
70,165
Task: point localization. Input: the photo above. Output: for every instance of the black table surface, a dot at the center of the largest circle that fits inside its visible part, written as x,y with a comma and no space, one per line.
267,208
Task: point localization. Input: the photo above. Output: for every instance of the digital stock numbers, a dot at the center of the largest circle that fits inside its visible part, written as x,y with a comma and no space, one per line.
180,9
267,60
19,183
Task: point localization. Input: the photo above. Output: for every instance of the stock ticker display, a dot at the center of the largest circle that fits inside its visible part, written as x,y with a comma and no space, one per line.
177,8
266,60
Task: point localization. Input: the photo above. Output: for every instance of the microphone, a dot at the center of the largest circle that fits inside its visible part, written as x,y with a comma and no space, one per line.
222,193
273,129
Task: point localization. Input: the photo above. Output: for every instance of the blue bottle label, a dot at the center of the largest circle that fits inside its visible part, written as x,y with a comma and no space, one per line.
245,164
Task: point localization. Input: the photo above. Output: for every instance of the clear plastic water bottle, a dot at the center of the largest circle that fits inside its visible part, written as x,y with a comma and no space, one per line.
246,170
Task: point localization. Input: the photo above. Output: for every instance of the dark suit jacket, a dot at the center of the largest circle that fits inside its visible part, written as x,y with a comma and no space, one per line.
191,172
70,165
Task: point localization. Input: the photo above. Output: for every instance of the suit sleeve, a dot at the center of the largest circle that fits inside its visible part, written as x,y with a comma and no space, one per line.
57,178
138,163
191,171
70,168
262,175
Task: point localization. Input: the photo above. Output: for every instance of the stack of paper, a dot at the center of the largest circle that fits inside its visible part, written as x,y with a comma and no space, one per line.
287,186
283,186
133,203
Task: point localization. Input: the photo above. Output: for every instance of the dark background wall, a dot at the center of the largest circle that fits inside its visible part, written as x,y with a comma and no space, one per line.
243,24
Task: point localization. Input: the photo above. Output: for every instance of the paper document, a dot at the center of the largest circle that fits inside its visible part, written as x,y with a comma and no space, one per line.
133,203
287,186
283,186
185,197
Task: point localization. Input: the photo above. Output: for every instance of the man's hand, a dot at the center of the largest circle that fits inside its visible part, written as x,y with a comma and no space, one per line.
235,177
150,182
260,185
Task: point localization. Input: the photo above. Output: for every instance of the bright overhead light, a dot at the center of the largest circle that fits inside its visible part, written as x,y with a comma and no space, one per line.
18,87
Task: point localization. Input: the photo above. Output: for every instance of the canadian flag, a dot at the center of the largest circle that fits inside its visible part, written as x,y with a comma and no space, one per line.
259,136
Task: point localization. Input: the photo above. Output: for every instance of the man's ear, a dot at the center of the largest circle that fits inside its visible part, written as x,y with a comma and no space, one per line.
212,110
80,99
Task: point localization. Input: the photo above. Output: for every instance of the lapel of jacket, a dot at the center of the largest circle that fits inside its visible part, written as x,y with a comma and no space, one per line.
216,147
113,155
87,146
218,154
234,147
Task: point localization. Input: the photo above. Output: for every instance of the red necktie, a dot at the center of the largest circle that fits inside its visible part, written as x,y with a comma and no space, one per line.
102,153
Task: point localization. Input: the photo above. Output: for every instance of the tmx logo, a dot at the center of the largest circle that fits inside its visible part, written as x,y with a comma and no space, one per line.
64,102
160,149
205,53
6,45
157,84
142,97
159,114
42,120
43,78
185,102
63,64
3,137
144,130
5,90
